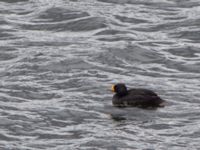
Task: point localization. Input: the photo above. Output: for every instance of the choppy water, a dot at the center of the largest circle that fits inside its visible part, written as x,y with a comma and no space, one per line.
58,59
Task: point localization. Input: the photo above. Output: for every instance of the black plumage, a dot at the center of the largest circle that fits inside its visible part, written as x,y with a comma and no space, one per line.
135,97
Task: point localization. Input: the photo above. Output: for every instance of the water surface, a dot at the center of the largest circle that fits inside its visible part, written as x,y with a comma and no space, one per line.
58,60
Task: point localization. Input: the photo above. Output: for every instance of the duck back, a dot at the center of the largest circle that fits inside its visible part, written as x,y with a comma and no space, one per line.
139,98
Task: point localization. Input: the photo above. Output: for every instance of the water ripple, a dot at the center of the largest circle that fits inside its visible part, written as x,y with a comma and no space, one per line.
59,58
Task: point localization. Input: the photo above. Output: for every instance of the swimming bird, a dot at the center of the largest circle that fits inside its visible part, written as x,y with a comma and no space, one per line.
135,97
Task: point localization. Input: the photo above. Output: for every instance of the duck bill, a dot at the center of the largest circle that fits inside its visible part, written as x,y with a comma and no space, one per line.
113,88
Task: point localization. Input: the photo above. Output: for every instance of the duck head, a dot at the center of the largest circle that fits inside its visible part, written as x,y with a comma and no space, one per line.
120,89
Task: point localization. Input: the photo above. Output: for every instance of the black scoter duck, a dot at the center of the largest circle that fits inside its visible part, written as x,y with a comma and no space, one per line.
135,97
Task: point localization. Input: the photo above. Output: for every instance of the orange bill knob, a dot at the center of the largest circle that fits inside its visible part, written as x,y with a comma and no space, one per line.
113,88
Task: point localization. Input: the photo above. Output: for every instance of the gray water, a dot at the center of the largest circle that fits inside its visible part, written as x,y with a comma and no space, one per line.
59,58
